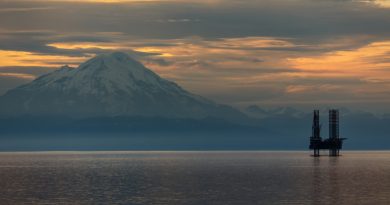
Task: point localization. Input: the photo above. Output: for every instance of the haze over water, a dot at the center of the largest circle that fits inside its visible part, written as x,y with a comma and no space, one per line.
194,178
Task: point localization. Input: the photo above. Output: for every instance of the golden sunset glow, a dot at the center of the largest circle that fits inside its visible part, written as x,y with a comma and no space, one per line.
159,51
81,45
253,42
21,58
382,3
369,60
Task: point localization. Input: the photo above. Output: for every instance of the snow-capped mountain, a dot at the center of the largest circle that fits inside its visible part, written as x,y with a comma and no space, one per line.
257,112
109,85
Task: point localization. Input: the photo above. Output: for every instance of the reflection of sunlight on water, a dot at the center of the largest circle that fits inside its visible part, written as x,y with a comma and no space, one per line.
315,189
194,178
334,180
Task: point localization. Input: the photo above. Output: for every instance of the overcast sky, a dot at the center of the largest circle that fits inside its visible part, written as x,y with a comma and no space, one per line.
302,53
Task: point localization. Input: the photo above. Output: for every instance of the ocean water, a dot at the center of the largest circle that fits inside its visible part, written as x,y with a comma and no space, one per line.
198,178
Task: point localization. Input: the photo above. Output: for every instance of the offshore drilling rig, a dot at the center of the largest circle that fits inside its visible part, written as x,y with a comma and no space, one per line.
334,143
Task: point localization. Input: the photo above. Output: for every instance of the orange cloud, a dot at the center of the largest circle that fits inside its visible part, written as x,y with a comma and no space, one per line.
291,89
369,60
165,52
252,42
22,58
85,45
382,3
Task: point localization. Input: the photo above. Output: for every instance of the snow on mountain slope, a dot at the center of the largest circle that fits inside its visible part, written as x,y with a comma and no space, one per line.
109,85
257,112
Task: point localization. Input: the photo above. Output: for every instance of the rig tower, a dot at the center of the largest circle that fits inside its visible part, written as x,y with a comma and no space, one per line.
335,143
315,139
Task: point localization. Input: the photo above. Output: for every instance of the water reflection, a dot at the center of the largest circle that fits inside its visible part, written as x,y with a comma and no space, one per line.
316,182
194,178
334,180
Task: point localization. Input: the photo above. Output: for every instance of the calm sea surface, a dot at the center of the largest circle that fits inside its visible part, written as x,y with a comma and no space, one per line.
194,178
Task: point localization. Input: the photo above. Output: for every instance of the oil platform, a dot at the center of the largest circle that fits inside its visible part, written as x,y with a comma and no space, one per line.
334,143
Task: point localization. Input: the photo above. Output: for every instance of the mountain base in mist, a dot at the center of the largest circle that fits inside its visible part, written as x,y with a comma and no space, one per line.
143,133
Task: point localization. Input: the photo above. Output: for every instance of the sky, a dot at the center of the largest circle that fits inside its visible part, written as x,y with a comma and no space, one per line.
299,53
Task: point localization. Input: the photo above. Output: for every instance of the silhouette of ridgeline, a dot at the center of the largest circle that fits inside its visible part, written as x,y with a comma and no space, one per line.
334,143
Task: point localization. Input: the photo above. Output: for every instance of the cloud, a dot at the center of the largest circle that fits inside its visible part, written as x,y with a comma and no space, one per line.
158,61
360,62
312,88
304,19
381,3
18,75
28,9
22,58
176,20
